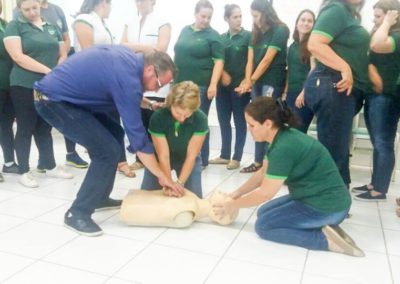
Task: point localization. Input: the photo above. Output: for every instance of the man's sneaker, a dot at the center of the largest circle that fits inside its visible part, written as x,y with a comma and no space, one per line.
59,172
73,160
1,178
82,226
109,204
361,189
367,196
13,169
28,180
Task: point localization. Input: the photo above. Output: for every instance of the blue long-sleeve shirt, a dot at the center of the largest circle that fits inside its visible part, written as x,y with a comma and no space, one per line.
103,78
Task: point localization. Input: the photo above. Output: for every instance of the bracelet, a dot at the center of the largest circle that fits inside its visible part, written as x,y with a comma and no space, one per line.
180,182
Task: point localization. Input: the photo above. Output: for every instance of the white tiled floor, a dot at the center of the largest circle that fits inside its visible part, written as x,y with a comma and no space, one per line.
36,248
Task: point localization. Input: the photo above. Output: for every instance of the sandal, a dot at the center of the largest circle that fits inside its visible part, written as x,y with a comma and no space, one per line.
251,169
124,169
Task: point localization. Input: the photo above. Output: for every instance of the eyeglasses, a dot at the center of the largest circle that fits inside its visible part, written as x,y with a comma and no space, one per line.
157,78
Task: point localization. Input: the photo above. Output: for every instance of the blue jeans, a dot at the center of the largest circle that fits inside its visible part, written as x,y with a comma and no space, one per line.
193,183
291,222
305,114
334,112
259,90
205,107
382,113
229,102
101,135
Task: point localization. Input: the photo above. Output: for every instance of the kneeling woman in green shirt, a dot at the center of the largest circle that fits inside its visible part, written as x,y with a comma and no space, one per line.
178,132
318,200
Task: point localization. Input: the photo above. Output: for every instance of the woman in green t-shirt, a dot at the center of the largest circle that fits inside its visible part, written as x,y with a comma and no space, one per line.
266,62
318,200
36,47
335,89
178,133
382,107
199,57
299,63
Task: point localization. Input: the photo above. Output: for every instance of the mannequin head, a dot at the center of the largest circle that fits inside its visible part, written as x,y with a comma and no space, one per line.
218,197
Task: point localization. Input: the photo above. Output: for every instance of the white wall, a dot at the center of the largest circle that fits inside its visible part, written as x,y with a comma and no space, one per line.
181,13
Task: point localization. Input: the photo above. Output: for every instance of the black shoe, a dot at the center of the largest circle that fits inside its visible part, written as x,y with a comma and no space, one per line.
367,196
109,204
83,226
13,169
360,189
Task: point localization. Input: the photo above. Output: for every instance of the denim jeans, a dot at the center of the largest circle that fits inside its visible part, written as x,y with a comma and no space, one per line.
259,90
101,135
7,116
382,113
205,107
193,183
305,114
334,112
229,102
291,222
30,123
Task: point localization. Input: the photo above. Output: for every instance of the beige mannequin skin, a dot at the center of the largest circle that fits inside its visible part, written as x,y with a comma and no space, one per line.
154,208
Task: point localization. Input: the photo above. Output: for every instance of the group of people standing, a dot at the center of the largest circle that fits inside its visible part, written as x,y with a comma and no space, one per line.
332,67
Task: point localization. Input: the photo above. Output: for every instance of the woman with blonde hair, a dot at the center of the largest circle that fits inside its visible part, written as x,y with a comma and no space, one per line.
178,132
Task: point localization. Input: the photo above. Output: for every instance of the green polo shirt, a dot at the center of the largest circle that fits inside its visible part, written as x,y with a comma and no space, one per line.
163,124
348,39
236,49
388,65
195,53
5,60
275,38
43,45
297,70
309,171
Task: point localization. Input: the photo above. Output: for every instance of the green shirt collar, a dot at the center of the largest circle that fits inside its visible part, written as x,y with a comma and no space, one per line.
240,33
23,20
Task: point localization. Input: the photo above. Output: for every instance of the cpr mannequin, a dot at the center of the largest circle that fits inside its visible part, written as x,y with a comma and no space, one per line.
154,208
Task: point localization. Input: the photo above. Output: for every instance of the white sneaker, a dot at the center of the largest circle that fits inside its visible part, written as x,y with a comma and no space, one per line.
59,172
28,180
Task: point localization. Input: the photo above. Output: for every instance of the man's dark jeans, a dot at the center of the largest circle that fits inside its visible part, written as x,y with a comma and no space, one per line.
101,135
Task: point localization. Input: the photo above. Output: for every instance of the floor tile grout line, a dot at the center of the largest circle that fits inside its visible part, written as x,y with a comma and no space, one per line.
136,255
227,249
386,246
304,267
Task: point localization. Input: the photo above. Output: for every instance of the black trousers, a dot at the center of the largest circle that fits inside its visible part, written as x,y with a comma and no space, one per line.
7,116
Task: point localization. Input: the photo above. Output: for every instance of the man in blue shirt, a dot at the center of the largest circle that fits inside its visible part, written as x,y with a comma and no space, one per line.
77,97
